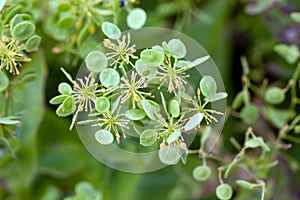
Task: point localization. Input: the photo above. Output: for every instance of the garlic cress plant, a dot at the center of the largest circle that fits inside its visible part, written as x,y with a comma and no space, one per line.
122,87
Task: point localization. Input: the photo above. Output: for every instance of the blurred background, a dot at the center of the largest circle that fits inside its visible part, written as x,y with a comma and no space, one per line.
51,160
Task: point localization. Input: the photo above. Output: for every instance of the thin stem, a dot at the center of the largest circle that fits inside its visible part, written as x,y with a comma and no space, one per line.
294,88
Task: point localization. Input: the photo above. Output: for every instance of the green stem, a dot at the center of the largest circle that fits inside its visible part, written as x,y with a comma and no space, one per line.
294,89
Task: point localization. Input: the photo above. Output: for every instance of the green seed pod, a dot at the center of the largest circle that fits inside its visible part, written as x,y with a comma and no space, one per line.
69,104
224,191
173,137
193,122
275,95
245,184
148,137
177,48
136,18
110,78
23,30
96,61
152,57
111,30
33,43
241,98
4,81
202,173
145,70
170,155
208,87
64,6
58,99
65,88
135,114
104,137
174,108
249,114
102,105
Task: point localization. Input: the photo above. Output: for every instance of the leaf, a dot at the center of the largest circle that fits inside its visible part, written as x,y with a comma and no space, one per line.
69,77
4,81
33,43
148,137
23,30
10,120
177,48
66,20
27,98
173,137
278,117
96,61
104,137
208,87
135,114
111,30
193,122
170,155
240,98
136,18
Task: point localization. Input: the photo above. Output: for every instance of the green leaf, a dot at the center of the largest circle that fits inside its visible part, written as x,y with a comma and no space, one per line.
58,99
245,184
275,95
243,97
23,30
249,114
193,122
170,155
295,16
85,191
183,63
104,137
152,57
257,142
177,48
202,173
69,77
102,105
174,108
110,78
208,87
68,104
27,101
148,137
96,61
173,137
4,81
111,30
66,20
199,61
65,89
33,43
289,52
136,18
64,6
224,191
145,70
135,114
